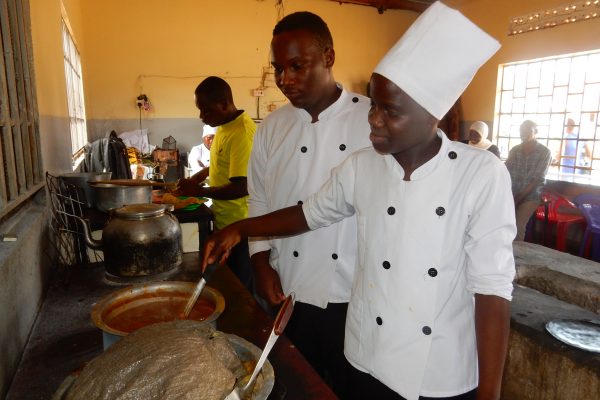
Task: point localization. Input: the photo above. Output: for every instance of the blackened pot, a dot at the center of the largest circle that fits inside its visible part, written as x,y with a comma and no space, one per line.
140,240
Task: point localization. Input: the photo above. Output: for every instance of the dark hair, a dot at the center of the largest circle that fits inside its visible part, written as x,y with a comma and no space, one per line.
307,21
214,89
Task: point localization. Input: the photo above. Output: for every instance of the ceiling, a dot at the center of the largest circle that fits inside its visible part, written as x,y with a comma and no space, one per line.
382,5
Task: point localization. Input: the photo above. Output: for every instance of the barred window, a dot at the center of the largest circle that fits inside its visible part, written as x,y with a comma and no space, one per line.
74,96
20,156
562,95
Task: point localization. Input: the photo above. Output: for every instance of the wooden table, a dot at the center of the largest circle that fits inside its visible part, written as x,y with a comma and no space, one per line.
64,338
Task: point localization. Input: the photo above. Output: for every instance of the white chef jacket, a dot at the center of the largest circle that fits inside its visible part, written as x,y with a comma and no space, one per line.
199,153
291,158
425,246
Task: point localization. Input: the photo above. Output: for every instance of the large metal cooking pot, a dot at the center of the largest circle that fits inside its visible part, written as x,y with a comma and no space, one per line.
81,179
110,307
139,240
109,196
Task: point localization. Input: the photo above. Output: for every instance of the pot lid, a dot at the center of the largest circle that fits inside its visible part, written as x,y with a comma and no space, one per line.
139,211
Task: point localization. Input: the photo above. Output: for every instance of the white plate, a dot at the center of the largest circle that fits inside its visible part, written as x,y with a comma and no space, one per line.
584,335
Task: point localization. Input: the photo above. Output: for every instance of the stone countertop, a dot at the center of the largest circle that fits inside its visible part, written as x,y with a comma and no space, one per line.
577,267
531,310
539,366
569,278
554,285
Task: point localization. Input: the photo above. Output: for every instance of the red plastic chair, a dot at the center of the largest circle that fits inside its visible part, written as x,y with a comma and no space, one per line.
557,211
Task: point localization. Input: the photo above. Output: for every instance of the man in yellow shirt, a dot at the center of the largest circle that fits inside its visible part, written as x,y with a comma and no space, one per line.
229,156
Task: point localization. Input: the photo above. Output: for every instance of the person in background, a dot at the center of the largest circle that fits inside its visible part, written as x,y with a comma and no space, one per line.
527,164
478,137
229,154
429,314
574,153
199,156
294,150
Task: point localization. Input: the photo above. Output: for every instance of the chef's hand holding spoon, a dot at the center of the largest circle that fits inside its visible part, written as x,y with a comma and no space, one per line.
285,222
218,246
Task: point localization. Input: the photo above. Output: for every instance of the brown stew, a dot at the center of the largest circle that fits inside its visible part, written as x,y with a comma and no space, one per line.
160,311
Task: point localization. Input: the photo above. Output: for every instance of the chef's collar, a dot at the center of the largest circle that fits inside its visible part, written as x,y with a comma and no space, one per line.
330,111
426,169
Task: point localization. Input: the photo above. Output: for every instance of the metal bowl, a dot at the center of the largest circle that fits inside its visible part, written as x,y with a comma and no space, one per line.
82,179
109,196
245,350
114,304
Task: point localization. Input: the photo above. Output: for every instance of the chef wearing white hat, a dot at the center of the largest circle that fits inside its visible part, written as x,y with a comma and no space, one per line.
199,157
429,310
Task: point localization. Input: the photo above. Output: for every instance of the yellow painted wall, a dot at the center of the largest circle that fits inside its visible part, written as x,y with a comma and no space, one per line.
164,49
48,59
73,15
494,16
46,37
48,54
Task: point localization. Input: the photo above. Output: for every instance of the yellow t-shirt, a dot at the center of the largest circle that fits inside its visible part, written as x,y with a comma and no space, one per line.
229,155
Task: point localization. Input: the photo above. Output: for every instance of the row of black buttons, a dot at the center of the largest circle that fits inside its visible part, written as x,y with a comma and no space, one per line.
304,149
432,272
426,330
342,147
439,211
334,255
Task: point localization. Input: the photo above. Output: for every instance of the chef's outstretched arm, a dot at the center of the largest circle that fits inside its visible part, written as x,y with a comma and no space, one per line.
285,222
492,326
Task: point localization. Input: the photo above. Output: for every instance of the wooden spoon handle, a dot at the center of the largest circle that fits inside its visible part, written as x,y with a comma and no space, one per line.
284,314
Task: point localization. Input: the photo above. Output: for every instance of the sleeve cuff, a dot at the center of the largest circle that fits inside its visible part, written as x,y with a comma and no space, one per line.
257,245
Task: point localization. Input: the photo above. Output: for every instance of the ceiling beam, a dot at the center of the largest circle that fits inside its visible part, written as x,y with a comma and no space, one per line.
382,5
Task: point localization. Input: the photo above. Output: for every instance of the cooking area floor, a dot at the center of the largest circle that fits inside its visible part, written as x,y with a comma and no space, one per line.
64,339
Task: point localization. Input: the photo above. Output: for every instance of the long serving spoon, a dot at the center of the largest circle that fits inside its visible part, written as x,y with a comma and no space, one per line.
283,316
198,289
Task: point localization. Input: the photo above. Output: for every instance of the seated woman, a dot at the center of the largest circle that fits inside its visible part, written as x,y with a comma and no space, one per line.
478,133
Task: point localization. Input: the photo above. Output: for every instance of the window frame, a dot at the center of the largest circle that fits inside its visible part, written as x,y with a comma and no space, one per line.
550,101
21,171
75,95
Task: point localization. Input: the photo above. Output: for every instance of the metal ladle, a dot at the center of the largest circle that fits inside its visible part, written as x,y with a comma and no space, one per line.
198,289
283,316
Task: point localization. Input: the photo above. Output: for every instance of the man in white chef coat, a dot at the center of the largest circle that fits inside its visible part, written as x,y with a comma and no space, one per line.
199,157
429,312
294,150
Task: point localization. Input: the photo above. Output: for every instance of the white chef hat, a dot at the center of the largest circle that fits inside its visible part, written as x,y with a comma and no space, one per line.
208,130
481,128
437,57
